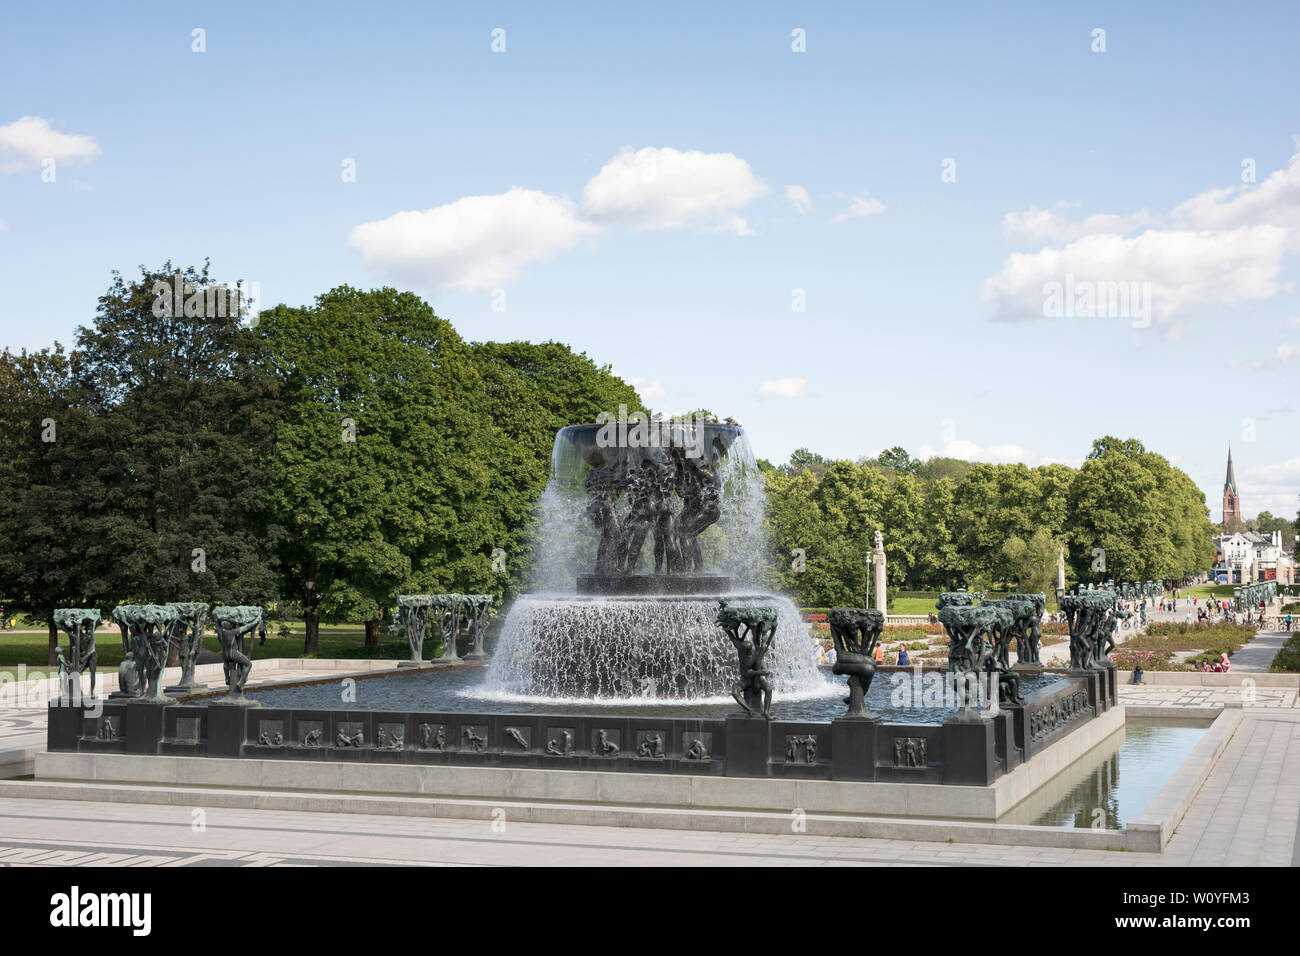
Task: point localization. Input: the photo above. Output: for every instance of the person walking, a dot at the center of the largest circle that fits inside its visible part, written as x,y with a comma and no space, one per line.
902,655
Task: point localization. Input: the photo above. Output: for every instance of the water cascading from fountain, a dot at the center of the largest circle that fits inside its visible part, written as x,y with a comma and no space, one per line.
615,645
653,649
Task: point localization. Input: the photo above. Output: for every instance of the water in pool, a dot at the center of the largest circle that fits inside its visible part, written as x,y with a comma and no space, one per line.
1115,781
460,690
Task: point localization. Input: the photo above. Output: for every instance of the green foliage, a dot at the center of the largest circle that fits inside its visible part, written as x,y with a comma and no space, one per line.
899,460
139,462
382,475
1148,517
1287,660
949,524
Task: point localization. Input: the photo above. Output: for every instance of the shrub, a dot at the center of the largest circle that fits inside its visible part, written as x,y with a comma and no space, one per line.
1288,658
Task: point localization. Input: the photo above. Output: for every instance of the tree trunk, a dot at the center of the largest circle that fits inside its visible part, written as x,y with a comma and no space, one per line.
54,640
311,642
372,632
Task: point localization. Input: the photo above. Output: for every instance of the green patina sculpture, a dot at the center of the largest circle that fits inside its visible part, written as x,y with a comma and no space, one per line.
1029,628
187,635
146,636
1091,616
955,599
233,625
413,613
752,630
79,624
855,632
448,608
971,650
1016,622
448,612
476,609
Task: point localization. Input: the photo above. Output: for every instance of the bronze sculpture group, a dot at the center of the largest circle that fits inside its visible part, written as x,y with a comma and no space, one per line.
149,632
449,613
979,643
1092,616
652,486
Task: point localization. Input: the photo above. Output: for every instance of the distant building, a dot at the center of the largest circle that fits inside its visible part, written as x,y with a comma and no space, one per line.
1247,556
1231,500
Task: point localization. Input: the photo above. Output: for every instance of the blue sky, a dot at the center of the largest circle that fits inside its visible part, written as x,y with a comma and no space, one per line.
618,178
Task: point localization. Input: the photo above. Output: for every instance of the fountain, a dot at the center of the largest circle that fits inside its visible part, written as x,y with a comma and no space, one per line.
647,646
646,526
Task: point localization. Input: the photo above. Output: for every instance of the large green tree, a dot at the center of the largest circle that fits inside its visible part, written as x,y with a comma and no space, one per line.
138,465
388,466
178,415
43,559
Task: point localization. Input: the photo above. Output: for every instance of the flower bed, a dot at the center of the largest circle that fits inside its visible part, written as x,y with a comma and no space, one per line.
1128,658
1216,638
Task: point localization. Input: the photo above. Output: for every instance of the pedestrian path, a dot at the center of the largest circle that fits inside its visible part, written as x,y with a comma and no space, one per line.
1257,656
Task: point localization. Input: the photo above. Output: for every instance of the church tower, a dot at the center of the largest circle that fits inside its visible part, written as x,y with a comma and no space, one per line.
1231,502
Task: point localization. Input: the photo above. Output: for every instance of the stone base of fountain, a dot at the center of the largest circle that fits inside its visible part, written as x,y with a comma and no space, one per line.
963,753
676,585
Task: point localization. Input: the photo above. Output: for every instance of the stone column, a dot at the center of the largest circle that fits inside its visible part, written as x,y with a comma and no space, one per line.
1060,570
878,561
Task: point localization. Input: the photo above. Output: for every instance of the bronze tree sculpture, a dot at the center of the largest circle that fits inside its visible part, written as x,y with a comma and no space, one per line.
413,614
751,630
187,636
233,625
146,630
1029,628
79,624
855,632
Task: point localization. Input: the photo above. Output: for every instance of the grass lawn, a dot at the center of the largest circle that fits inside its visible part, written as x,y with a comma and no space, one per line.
1210,590
336,641
913,605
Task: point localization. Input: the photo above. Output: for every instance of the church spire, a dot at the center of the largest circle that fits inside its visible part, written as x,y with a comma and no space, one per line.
1230,482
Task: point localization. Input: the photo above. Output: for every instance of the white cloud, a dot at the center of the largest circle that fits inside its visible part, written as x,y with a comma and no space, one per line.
648,388
994,454
1275,201
798,197
1284,354
783,388
655,189
1185,270
859,207
1036,225
1293,322
474,243
1222,246
27,142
